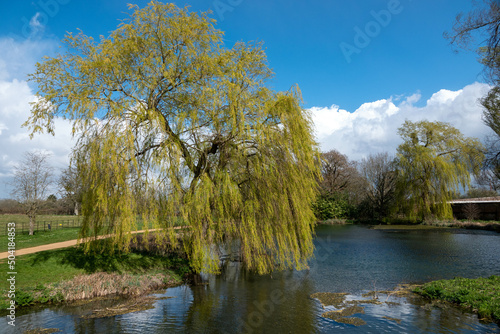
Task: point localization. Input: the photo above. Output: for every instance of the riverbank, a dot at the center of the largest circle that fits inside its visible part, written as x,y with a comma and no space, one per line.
473,225
480,295
406,225
69,274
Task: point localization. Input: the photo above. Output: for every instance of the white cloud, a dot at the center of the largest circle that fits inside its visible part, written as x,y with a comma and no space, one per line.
372,128
15,98
35,25
18,58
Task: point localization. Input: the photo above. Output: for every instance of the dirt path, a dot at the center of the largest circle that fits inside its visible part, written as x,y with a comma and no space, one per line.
62,244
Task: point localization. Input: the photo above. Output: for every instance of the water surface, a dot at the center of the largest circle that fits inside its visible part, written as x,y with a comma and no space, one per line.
352,259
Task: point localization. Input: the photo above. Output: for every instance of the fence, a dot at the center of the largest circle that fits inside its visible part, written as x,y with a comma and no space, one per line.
24,227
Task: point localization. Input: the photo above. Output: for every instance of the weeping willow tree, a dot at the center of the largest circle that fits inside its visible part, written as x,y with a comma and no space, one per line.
174,126
435,160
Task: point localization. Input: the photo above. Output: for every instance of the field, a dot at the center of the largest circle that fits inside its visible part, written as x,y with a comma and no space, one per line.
42,222
40,238
63,228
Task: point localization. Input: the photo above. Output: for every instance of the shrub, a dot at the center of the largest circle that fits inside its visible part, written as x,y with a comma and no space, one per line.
23,298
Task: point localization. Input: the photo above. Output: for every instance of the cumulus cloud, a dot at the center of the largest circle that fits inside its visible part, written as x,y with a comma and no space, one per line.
18,58
15,98
372,128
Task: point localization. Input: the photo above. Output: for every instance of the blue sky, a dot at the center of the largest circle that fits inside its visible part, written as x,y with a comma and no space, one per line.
302,41
364,66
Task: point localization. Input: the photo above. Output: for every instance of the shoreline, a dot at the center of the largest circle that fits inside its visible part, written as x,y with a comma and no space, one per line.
89,287
477,295
484,226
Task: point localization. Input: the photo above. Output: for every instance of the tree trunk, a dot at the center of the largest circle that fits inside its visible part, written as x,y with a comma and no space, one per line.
77,206
32,224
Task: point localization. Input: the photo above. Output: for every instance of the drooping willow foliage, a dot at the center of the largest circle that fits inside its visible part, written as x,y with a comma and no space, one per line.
435,160
173,127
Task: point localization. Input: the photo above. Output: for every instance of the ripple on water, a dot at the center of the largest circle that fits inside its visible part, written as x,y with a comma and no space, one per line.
348,259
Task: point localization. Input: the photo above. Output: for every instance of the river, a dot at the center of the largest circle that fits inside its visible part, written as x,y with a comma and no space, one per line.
351,258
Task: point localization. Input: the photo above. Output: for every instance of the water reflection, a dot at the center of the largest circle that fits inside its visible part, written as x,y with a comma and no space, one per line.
240,302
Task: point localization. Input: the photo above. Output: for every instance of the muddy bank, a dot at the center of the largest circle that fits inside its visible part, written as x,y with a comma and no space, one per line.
344,308
106,284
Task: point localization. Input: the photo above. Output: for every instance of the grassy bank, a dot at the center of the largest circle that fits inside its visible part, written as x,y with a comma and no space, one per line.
475,225
69,274
406,224
39,238
45,237
336,222
487,226
481,295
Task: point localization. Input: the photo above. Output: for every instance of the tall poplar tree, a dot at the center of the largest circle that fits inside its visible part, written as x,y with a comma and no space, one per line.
434,161
172,125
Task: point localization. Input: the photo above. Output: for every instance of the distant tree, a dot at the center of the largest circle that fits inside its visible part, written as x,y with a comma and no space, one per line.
434,161
474,192
491,117
33,177
489,178
10,206
52,198
339,174
341,187
165,111
381,175
71,187
471,211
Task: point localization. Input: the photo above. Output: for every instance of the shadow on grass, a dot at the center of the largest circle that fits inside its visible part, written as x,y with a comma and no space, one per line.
118,262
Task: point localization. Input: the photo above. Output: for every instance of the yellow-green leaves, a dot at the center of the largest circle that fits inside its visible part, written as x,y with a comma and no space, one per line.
174,127
435,160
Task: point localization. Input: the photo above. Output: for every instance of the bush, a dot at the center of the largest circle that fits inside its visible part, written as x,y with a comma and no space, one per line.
23,298
333,207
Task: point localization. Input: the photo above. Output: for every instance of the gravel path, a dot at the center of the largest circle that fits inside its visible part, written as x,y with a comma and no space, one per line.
62,244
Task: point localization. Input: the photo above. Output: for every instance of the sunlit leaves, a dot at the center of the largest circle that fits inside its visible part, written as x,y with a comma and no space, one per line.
175,127
434,161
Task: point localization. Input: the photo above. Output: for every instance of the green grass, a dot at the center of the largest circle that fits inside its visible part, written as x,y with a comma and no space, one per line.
44,237
63,264
7,218
407,227
481,295
44,268
41,224
39,238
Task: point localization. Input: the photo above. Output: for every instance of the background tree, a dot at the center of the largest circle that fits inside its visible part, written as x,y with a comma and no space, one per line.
33,177
381,175
489,178
165,111
71,187
491,117
474,192
339,174
10,206
341,187
434,161
484,23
